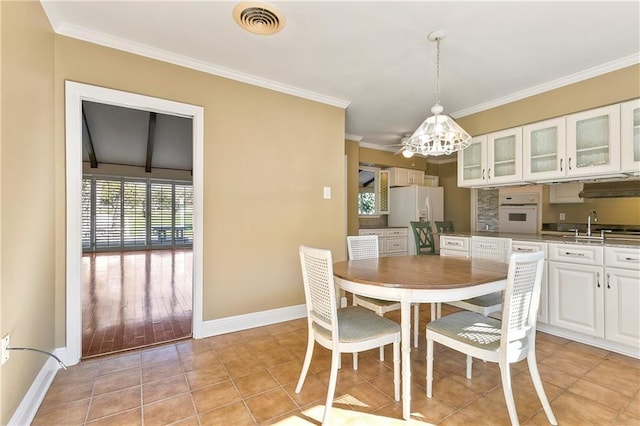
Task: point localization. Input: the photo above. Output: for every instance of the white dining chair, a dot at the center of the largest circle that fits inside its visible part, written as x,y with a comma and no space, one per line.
347,330
504,342
366,247
488,248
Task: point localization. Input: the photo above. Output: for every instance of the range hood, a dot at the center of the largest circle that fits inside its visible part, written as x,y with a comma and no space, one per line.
611,189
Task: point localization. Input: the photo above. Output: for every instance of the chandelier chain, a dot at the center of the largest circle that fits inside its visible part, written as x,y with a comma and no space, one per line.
438,71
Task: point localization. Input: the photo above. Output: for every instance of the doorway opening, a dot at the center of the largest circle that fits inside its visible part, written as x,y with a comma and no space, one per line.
76,94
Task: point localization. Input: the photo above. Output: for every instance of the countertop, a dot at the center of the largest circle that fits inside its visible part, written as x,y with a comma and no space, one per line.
565,238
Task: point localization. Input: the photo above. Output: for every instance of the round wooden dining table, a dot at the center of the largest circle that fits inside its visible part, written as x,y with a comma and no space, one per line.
418,279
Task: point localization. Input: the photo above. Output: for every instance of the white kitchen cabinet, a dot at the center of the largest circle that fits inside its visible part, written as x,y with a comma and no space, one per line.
630,136
544,150
405,177
593,141
622,295
504,156
472,163
455,246
530,247
576,297
565,193
492,159
391,241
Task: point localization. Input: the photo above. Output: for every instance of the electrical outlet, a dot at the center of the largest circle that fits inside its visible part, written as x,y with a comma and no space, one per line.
5,351
562,216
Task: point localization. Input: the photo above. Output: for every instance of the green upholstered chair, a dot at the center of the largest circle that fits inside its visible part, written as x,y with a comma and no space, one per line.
423,238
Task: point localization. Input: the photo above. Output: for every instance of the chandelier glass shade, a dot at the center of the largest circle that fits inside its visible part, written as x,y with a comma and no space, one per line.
438,134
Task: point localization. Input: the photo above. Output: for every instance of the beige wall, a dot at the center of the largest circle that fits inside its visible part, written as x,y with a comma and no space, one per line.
264,174
610,88
26,195
457,200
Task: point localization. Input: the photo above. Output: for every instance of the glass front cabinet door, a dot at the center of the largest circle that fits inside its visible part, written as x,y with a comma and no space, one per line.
630,137
593,141
543,149
472,163
504,156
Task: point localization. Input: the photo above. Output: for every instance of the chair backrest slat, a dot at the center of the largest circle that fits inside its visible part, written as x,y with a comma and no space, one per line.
445,226
522,296
319,288
491,248
423,236
362,247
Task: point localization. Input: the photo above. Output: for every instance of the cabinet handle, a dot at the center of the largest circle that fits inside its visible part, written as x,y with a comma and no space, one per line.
631,258
489,173
523,249
598,279
608,280
569,163
482,174
561,164
568,253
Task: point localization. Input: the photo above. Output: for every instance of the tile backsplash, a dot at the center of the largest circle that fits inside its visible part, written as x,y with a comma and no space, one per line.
487,210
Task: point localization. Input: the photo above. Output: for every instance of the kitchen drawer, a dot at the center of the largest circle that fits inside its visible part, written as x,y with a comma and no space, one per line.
622,257
455,253
576,253
528,247
448,242
378,232
395,244
395,232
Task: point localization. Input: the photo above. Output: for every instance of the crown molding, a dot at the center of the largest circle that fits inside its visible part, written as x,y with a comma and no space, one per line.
354,138
378,147
555,84
102,39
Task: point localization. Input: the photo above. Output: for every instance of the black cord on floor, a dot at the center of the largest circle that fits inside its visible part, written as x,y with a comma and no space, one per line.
41,351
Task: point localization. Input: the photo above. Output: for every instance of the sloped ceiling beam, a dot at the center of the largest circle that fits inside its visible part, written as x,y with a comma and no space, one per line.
88,143
150,140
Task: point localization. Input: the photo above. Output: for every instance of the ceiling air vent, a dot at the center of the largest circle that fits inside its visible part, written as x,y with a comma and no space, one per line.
258,18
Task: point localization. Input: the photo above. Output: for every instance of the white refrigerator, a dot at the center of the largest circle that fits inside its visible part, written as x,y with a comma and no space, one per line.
415,204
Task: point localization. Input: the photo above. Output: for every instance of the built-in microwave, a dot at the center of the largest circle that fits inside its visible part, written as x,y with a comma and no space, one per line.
518,213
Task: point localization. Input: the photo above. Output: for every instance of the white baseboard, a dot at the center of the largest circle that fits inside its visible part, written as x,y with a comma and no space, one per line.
252,320
29,405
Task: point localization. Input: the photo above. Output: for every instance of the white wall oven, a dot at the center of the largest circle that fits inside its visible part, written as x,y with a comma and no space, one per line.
518,213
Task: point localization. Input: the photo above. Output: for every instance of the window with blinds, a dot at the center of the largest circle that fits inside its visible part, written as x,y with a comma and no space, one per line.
135,214
183,214
161,214
86,213
121,213
108,217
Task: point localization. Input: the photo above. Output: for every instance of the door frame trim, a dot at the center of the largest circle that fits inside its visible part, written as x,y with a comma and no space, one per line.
75,93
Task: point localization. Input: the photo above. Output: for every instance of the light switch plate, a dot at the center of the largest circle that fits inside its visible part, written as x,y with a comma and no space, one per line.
327,192
562,216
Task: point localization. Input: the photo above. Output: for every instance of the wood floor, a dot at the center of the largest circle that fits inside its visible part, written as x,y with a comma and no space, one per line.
135,299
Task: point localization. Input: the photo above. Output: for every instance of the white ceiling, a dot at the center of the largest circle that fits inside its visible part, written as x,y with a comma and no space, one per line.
373,57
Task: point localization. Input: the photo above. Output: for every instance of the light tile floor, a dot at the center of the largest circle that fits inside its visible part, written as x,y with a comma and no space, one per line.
248,378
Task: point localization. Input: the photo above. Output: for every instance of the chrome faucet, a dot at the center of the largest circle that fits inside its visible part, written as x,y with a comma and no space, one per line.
595,219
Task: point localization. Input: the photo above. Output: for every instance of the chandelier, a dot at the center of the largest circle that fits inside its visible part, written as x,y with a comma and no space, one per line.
438,134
